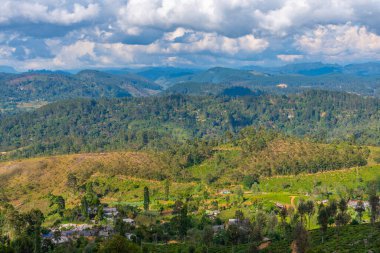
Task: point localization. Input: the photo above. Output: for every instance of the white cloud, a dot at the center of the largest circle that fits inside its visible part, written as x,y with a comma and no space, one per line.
114,32
193,41
71,55
17,11
340,42
178,33
6,51
289,57
224,16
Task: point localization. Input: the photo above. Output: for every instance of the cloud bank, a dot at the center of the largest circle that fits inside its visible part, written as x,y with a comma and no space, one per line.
67,34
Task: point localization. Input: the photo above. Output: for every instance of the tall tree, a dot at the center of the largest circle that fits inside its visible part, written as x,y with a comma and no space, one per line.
373,200
310,210
146,198
35,219
360,209
323,219
184,221
342,218
167,189
302,209
301,238
332,210
84,207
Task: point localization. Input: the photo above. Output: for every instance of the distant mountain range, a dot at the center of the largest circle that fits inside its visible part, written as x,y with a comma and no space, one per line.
7,69
52,86
48,86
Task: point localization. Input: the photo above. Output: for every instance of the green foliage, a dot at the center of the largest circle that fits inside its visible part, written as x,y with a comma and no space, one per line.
118,244
57,203
164,122
146,198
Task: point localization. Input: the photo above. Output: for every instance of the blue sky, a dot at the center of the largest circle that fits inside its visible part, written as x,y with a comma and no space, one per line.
66,34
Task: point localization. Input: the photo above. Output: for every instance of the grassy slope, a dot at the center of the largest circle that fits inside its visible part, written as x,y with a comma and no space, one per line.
27,182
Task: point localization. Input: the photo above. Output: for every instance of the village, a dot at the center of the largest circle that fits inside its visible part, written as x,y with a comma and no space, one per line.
116,221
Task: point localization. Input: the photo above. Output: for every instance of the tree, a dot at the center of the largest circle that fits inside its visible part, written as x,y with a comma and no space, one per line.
84,207
258,226
272,222
34,219
323,219
250,179
99,213
360,209
184,221
167,189
118,244
146,198
72,182
239,215
120,226
342,205
310,209
240,193
342,218
207,235
301,238
59,204
283,214
302,209
191,249
23,244
373,200
332,210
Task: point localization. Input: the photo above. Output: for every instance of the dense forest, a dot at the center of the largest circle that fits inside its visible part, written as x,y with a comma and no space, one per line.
84,125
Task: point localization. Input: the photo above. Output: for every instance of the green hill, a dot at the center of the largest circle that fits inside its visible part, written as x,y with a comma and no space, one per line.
33,87
155,122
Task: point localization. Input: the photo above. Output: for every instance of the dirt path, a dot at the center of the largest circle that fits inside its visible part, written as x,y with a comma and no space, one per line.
263,245
292,198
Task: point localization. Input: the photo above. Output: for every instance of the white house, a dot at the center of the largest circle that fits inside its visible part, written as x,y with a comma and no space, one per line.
129,221
110,211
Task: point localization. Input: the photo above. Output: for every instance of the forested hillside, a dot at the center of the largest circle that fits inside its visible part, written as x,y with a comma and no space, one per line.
34,87
83,125
30,90
214,80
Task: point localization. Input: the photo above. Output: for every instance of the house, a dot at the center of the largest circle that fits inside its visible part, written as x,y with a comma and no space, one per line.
103,233
279,205
354,203
129,221
106,231
233,221
110,211
212,213
60,240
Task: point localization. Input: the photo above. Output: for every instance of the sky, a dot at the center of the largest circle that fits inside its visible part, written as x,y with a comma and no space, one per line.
67,34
